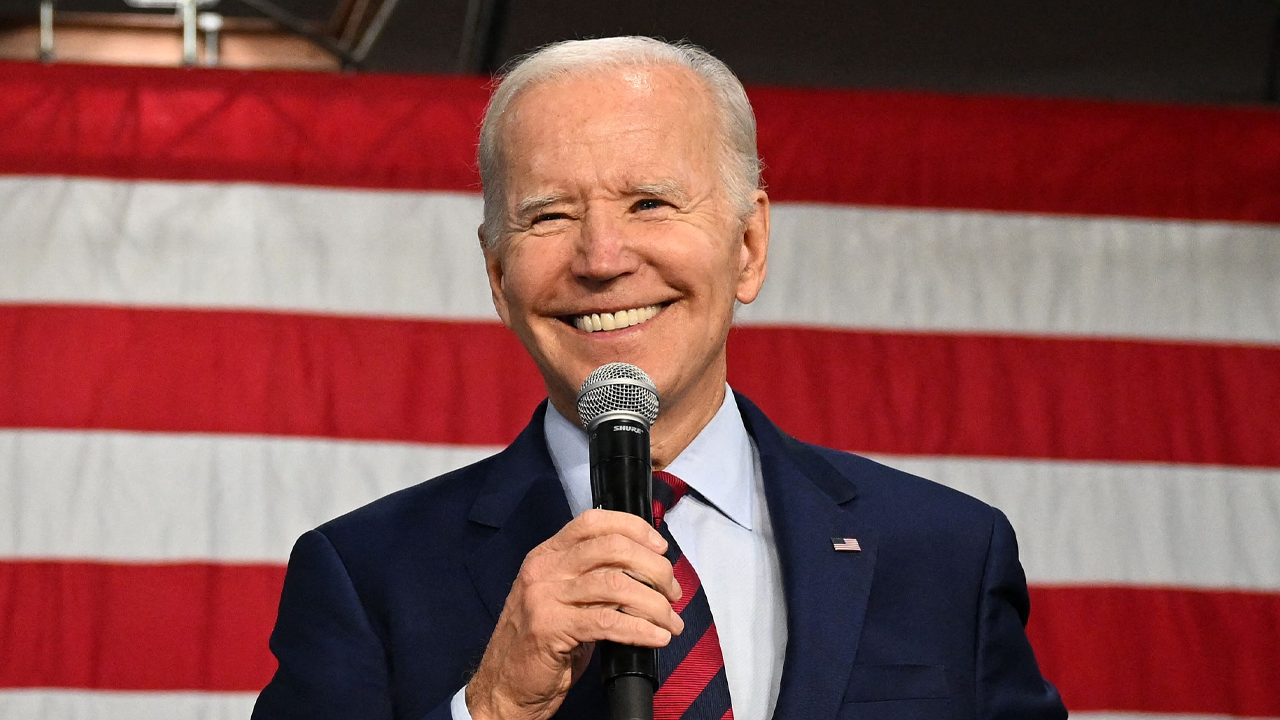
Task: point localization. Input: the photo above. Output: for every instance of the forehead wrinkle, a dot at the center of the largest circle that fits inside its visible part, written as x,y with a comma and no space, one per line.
603,148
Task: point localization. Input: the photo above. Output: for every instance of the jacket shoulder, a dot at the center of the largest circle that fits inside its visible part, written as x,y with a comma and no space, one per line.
433,512
910,496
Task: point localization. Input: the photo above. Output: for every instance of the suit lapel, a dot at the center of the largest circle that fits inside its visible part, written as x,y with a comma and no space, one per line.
524,502
826,591
809,504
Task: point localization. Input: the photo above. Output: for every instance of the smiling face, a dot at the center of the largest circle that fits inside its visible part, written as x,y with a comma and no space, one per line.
615,214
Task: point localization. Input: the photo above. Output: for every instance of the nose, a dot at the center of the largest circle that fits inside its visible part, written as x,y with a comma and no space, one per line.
604,251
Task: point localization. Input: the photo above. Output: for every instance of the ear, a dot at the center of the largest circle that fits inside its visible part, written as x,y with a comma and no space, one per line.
493,268
753,257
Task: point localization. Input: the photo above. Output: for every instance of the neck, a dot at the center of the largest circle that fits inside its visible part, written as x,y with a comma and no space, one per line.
679,421
673,433
682,418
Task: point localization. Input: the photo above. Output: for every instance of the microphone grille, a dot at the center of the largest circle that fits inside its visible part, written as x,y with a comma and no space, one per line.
617,388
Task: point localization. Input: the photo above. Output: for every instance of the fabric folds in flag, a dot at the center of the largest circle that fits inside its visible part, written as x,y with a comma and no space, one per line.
234,306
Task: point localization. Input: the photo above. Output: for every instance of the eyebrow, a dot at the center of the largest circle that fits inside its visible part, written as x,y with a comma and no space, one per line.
531,205
661,188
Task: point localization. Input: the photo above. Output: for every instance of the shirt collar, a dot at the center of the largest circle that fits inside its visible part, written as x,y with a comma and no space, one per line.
718,463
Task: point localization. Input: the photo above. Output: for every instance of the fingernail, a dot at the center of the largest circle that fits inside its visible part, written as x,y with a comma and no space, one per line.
656,539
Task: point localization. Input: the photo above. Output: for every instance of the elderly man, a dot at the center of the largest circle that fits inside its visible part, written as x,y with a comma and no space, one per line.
623,221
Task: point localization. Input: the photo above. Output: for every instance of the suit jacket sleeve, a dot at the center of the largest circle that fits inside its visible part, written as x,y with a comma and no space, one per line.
332,665
1009,683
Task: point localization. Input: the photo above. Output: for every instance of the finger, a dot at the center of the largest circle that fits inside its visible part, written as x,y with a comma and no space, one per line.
619,553
616,590
598,623
596,522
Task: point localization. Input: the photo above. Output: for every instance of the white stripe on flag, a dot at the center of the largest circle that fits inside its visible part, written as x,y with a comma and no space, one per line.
100,705
103,705
1051,275
415,254
124,496
1143,523
139,496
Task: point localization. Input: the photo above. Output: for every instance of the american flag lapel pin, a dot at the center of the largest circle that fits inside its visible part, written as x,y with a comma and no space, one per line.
846,544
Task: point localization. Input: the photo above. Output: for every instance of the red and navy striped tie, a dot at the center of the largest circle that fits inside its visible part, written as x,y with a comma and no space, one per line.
691,667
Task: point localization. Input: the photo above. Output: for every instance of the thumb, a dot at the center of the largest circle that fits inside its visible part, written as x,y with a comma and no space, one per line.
581,658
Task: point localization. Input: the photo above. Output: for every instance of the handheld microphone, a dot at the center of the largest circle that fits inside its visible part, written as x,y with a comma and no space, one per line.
618,403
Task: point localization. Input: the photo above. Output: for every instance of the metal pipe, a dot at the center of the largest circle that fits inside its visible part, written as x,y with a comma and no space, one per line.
470,33
211,25
354,19
291,23
490,51
46,30
187,8
374,30
1271,82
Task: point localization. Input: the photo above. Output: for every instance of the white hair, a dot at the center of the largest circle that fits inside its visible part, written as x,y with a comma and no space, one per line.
739,163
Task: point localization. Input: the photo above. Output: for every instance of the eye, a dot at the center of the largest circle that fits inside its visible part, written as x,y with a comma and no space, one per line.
649,204
547,217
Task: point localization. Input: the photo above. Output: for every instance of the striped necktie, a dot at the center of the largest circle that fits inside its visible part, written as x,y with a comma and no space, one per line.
691,667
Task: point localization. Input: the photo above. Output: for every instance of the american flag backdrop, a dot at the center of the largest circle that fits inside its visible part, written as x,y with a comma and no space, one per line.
234,305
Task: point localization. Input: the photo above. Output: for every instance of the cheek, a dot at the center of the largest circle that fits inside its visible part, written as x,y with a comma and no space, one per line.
722,273
698,252
530,275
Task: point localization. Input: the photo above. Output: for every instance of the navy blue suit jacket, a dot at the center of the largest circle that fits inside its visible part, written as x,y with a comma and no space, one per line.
387,610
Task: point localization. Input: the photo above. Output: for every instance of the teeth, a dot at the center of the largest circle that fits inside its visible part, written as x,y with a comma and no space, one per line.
616,320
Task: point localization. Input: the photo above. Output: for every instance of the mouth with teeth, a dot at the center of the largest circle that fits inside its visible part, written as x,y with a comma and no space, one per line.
606,321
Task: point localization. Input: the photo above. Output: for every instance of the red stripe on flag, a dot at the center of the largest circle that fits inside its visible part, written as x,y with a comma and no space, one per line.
263,373
1012,396
378,131
205,627
193,626
1019,154
472,384
1159,650
400,132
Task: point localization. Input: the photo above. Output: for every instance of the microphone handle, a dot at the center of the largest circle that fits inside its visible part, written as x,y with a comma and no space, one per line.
622,480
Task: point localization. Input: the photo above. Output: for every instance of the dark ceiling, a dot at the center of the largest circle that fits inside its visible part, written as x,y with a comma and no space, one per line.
1214,51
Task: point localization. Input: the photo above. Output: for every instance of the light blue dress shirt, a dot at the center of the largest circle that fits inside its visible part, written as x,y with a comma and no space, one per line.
728,539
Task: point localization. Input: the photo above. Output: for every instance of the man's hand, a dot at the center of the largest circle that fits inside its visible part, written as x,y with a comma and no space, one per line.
565,599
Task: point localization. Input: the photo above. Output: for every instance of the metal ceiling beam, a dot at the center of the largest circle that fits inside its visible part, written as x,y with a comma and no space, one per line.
374,29
298,26
1271,90
156,39
356,25
482,35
